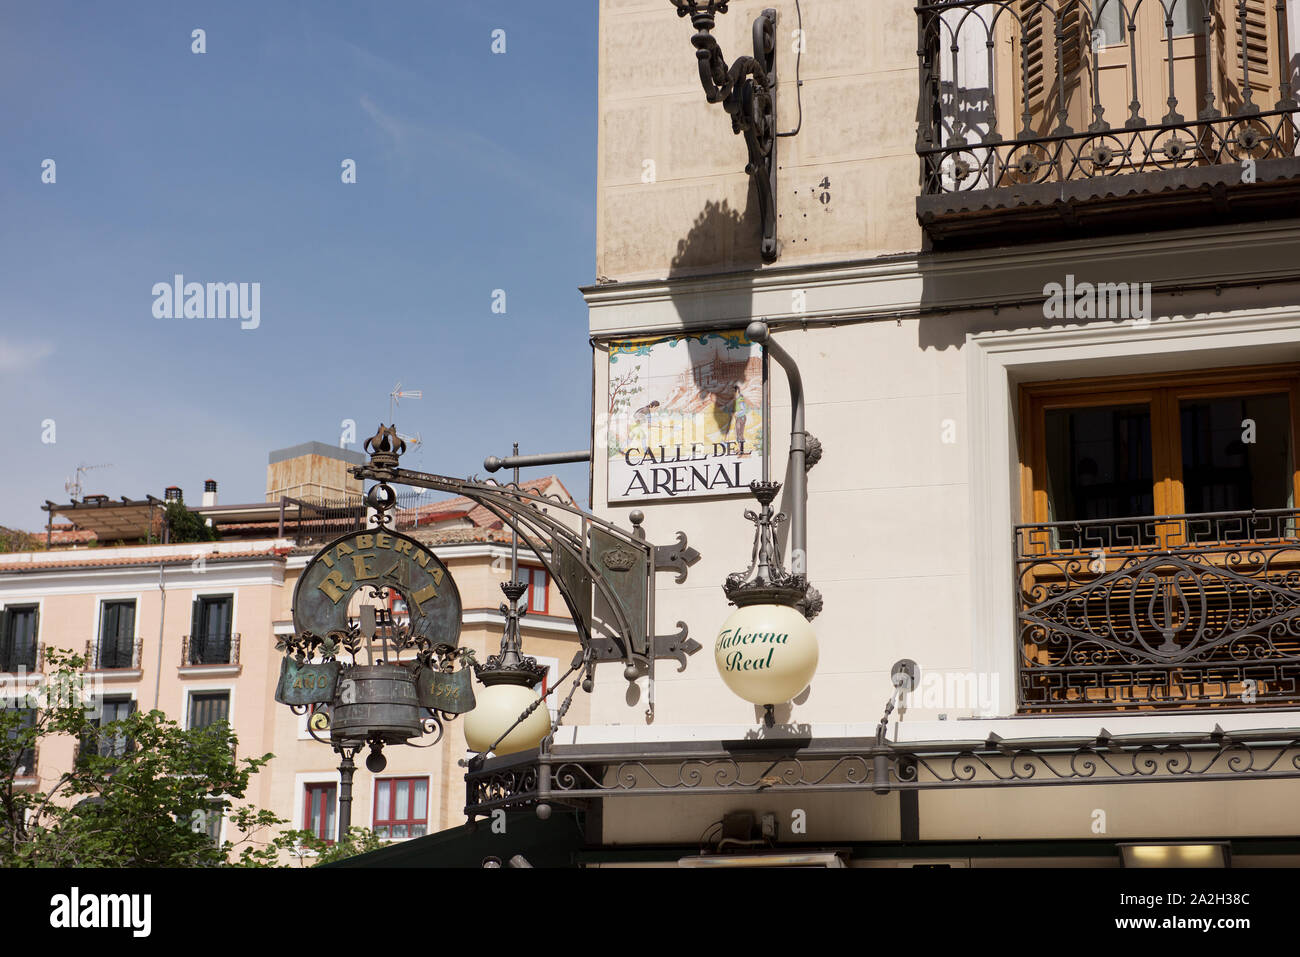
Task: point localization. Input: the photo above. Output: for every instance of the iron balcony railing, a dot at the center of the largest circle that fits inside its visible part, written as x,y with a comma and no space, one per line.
114,654
30,659
1022,92
209,650
1167,611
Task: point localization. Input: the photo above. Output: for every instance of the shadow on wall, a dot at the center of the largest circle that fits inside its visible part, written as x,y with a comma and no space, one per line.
721,238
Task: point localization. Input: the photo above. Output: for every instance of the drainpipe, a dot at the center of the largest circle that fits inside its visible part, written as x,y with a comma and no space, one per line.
162,616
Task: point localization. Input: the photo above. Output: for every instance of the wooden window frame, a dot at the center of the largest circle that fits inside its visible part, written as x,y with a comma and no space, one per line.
323,789
1162,391
392,820
532,571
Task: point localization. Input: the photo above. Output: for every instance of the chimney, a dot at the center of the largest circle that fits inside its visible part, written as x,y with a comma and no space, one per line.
173,494
209,493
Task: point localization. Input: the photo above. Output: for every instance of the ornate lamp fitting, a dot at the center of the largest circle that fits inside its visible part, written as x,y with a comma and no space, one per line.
510,666
765,581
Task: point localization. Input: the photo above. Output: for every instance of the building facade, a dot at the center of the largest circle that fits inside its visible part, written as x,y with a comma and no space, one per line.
190,629
1037,272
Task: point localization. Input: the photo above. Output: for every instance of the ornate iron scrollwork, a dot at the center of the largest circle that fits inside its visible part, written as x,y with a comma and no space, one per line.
1159,611
766,581
747,91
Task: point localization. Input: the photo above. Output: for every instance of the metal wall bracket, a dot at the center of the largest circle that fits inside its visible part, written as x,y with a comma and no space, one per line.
747,91
677,557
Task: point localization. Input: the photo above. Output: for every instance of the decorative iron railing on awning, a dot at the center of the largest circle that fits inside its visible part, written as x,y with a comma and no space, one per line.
577,775
1169,611
1051,103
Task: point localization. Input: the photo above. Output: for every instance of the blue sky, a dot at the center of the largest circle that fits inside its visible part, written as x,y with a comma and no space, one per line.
475,172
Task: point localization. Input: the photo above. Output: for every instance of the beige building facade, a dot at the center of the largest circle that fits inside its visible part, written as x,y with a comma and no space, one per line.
190,629
1041,505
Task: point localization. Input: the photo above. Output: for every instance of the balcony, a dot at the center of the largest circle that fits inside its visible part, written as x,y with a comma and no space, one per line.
115,659
27,660
1160,612
209,656
1091,117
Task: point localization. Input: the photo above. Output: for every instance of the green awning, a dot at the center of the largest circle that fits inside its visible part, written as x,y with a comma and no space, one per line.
550,843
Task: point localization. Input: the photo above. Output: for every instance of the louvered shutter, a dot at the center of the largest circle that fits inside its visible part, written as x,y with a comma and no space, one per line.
196,632
1040,88
1262,73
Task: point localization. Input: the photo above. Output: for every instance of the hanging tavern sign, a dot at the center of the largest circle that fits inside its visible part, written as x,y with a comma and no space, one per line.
378,559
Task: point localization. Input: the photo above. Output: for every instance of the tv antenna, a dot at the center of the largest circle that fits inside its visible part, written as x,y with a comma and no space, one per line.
73,485
395,398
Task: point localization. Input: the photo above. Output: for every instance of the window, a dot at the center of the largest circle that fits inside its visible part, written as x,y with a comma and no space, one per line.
401,807
209,708
211,822
116,647
18,638
536,597
210,630
318,810
1202,444
1159,542
26,766
110,744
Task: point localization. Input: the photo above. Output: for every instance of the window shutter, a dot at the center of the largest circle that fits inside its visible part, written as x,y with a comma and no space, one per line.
196,631
1035,38
6,639
125,635
1030,14
33,640
1261,41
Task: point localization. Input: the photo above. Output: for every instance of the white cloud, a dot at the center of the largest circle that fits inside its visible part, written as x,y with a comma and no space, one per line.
16,356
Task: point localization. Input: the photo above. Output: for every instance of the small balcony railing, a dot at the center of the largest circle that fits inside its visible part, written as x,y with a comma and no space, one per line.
30,660
209,650
1062,106
1168,611
114,654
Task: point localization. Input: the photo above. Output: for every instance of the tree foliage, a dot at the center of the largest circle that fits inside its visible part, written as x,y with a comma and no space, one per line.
146,800
186,526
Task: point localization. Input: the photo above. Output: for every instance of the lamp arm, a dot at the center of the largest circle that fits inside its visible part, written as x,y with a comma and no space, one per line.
758,331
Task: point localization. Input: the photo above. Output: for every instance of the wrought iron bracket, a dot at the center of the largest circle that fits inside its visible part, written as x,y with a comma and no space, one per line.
747,91
604,573
677,557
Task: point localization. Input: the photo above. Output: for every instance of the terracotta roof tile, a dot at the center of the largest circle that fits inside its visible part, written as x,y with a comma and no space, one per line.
213,558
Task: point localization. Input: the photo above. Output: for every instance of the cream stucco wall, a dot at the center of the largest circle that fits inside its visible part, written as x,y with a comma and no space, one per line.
858,69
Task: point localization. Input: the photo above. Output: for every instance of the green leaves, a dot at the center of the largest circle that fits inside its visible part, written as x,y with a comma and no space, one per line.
186,526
